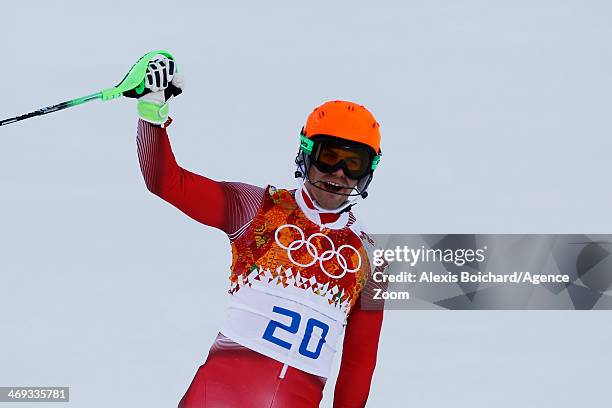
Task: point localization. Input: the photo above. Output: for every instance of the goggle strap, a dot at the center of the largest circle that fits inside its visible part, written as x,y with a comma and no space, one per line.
306,145
375,161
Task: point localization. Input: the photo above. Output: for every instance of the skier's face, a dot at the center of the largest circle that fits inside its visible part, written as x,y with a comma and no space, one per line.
333,182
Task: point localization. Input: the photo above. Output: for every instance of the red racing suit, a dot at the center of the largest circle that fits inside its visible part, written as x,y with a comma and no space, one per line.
296,281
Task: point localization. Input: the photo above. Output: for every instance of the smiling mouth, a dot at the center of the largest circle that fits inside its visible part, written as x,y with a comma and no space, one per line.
333,186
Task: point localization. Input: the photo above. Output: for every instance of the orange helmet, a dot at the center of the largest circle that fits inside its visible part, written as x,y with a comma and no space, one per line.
346,120
335,121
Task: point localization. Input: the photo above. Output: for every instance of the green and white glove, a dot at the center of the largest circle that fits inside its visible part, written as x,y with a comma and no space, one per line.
162,82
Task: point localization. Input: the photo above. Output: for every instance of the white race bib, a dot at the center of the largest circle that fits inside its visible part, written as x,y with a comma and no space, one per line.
286,330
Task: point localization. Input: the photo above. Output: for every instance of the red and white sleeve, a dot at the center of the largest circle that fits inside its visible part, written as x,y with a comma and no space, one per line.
358,357
228,206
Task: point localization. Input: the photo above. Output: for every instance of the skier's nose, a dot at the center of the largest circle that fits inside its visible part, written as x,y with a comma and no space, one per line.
339,173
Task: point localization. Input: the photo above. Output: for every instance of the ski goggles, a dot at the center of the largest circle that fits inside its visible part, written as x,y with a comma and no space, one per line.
329,154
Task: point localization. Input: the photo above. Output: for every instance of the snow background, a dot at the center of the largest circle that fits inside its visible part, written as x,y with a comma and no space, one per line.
495,119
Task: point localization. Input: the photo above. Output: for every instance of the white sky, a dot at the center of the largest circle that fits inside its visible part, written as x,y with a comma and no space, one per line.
494,119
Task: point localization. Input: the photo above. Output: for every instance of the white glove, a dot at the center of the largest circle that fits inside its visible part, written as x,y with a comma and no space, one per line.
163,82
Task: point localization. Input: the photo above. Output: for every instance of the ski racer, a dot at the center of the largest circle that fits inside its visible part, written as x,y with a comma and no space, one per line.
300,259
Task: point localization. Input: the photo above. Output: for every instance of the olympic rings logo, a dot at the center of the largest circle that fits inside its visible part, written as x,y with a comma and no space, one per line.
314,253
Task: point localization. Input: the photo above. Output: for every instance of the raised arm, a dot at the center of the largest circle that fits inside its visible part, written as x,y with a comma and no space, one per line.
223,205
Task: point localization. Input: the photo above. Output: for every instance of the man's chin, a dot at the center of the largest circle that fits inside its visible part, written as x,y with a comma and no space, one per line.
330,200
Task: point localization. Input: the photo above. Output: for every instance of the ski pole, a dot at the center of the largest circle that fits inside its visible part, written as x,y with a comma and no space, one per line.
131,86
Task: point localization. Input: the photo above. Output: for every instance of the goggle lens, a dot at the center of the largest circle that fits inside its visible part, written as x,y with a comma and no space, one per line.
355,160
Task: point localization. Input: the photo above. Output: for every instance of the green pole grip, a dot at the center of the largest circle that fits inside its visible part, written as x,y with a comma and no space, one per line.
134,79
